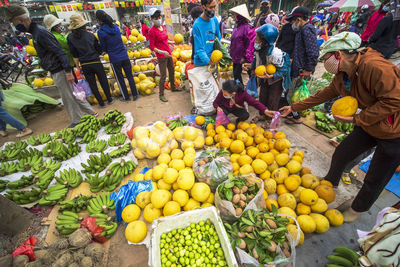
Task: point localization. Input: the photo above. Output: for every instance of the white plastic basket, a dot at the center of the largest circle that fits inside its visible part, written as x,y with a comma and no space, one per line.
182,220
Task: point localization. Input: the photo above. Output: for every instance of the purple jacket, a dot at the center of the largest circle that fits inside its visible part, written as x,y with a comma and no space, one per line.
242,42
240,98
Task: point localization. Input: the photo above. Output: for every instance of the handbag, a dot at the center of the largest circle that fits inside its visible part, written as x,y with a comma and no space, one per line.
85,85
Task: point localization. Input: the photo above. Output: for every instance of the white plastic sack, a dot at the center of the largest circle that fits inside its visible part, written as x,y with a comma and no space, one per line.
203,89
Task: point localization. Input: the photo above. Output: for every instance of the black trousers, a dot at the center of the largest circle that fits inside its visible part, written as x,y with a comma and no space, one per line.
240,113
270,95
91,71
382,167
237,72
127,67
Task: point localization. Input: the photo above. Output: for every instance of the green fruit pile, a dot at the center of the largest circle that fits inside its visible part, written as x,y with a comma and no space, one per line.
77,204
67,222
96,146
70,177
113,121
96,164
195,245
66,135
39,139
101,204
23,182
343,257
117,140
23,197
61,152
53,195
122,151
109,226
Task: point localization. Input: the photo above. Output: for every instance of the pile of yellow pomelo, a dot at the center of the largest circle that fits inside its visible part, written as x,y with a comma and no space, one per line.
288,185
174,190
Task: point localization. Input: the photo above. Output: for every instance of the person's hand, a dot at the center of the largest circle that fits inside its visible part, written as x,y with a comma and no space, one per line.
70,77
79,69
306,73
246,66
266,76
219,109
344,119
286,110
269,113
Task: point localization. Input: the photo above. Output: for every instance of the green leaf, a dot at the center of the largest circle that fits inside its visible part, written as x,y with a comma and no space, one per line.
246,221
229,185
228,194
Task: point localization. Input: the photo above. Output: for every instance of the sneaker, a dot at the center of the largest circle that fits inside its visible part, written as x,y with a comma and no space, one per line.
163,99
112,101
3,133
123,99
24,132
135,98
176,90
103,106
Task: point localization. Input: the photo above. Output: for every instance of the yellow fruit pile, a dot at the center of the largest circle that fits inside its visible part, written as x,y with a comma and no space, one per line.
150,142
189,136
299,193
174,190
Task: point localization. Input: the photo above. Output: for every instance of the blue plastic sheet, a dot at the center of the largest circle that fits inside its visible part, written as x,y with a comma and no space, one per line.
394,183
127,194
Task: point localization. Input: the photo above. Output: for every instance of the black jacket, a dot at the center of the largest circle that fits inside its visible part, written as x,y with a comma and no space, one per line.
286,39
51,56
86,48
384,37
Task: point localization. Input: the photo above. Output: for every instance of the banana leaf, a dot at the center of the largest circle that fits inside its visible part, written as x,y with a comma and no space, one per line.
226,59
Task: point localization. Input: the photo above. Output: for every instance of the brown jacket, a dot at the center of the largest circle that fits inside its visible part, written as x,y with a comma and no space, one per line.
375,83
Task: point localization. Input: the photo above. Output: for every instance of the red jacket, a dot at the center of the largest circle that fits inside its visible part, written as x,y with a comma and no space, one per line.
372,24
145,31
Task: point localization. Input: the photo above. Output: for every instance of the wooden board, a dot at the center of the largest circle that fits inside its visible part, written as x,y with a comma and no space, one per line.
309,121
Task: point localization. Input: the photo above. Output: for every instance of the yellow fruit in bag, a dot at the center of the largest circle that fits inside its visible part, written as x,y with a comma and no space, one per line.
345,106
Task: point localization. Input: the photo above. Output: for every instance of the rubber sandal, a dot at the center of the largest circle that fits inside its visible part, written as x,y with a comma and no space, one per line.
163,99
3,133
24,133
96,113
292,121
346,179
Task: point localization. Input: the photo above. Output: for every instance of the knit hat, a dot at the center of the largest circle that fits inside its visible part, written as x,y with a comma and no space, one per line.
13,11
242,11
341,41
50,21
76,21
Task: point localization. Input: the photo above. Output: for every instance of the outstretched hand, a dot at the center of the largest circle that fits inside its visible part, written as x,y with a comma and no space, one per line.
344,119
269,113
285,111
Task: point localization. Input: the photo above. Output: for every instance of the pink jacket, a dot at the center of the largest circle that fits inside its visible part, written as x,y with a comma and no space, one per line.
372,24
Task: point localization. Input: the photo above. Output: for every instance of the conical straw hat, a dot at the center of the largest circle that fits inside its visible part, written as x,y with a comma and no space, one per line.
242,11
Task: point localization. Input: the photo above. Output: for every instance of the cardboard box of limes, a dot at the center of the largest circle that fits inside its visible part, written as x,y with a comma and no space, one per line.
194,237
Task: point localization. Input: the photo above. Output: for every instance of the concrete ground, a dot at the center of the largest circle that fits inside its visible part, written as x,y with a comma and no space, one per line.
149,108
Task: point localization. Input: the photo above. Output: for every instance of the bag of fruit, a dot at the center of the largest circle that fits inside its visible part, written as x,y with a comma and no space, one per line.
239,194
212,167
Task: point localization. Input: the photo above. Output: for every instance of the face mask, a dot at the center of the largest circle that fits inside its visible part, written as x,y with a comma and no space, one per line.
385,8
264,9
210,13
227,97
21,28
157,22
257,46
295,27
332,64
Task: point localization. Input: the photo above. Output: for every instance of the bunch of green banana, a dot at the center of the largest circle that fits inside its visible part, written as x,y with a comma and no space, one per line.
3,185
89,136
87,122
122,151
30,152
343,257
23,182
101,204
43,178
70,177
8,168
48,165
122,168
95,181
344,127
111,181
177,122
35,108
114,120
12,153
40,139
25,164
96,146
67,223
16,145
66,135
96,163
117,140
111,115
53,195
77,204
61,152
23,197
110,227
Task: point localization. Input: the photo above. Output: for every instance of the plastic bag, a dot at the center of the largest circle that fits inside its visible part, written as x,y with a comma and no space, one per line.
301,93
127,194
226,59
94,229
26,249
221,118
85,85
79,92
275,123
189,136
212,166
150,141
246,260
225,207
251,87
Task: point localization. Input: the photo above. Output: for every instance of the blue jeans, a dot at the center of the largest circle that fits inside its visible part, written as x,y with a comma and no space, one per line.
6,118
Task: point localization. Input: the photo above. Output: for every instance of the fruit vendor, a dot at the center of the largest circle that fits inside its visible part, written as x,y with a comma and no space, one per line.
271,85
231,100
205,30
375,83
111,42
53,59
